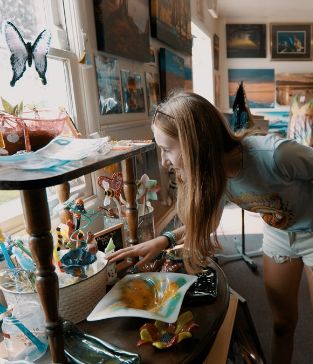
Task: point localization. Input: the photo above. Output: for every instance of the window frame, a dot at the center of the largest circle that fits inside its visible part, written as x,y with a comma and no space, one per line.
65,25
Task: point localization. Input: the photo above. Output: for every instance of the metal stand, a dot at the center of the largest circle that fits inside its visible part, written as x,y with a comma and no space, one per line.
242,254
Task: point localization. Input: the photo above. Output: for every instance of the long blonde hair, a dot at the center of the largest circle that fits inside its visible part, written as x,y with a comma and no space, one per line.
205,137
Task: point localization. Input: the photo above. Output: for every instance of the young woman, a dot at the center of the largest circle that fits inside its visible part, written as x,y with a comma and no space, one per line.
264,174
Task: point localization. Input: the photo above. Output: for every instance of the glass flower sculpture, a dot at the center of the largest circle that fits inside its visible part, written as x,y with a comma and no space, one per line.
164,335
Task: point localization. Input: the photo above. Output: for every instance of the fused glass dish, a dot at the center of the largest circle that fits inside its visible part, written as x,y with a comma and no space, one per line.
154,295
204,290
81,348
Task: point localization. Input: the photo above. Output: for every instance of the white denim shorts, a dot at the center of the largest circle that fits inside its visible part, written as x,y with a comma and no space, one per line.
282,245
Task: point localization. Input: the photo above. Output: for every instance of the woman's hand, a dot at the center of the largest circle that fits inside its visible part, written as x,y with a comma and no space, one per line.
147,250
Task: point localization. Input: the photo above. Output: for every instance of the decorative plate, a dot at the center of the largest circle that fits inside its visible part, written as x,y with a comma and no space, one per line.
154,295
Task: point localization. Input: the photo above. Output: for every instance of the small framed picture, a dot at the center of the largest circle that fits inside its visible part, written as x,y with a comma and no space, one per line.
291,42
115,232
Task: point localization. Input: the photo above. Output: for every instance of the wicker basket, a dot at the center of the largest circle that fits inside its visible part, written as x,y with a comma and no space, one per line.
76,301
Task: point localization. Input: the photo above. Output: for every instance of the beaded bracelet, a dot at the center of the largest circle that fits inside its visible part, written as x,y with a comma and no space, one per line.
171,237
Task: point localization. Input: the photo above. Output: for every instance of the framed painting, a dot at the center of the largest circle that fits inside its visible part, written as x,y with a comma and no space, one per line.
216,52
217,90
133,93
153,91
172,72
171,23
259,85
246,40
291,42
109,88
293,84
122,28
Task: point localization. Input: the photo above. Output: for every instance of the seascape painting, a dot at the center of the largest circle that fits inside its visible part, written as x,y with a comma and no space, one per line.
122,28
108,80
171,23
172,72
246,40
291,84
259,86
153,91
277,121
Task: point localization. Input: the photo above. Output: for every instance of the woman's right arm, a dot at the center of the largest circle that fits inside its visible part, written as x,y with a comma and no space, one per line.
147,250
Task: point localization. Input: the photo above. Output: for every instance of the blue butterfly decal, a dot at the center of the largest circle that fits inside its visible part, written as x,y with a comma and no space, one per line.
22,52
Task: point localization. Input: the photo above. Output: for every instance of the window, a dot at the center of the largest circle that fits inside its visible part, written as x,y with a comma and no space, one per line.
202,65
63,82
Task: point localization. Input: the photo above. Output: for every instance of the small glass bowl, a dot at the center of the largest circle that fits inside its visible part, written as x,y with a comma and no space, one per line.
30,132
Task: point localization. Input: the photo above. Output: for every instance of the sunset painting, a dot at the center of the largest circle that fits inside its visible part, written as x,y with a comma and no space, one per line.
259,85
246,40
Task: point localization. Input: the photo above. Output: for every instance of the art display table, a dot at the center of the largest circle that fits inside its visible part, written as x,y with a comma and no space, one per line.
38,225
124,331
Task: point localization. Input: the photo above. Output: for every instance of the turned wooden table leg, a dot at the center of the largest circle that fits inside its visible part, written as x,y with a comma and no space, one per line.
38,226
130,190
63,192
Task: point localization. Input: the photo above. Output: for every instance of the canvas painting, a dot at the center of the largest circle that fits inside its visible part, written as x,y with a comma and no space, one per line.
259,86
109,87
277,121
291,84
153,91
172,72
246,40
133,94
217,90
216,52
171,23
122,28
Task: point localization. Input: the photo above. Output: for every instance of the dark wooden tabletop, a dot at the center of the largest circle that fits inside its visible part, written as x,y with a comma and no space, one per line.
18,179
124,331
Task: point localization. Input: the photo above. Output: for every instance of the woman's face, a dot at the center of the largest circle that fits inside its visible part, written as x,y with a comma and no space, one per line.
170,150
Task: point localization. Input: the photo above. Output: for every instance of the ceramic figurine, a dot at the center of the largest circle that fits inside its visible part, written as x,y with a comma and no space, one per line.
111,268
92,246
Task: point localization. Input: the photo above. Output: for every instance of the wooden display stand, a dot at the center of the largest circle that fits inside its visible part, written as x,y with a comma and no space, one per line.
32,184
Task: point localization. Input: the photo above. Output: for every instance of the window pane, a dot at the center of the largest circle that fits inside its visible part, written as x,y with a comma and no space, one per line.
29,16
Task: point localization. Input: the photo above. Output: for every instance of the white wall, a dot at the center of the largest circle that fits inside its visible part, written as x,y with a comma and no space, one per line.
278,66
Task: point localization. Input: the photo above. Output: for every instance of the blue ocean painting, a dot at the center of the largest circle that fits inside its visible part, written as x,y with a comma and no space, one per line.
259,86
278,121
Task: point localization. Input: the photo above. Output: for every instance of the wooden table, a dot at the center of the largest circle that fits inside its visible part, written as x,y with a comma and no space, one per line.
36,213
124,331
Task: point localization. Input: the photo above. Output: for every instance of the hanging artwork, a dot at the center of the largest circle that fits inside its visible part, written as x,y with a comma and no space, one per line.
259,86
122,28
291,42
188,86
110,99
172,72
133,94
246,40
293,84
22,52
216,53
217,90
171,23
153,91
